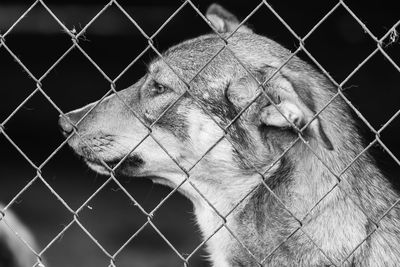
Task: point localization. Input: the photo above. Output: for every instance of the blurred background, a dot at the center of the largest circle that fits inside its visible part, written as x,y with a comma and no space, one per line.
339,44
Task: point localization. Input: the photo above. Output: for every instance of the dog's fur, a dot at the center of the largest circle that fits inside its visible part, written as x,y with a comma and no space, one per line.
330,232
13,252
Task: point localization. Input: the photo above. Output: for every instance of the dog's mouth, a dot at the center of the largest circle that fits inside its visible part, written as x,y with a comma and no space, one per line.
129,164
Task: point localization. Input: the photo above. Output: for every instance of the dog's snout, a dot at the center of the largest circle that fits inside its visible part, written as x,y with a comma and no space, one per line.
65,124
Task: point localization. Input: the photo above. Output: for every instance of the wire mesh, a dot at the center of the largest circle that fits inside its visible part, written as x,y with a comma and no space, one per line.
75,38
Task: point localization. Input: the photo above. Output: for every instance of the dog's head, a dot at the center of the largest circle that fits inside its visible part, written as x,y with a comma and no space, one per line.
185,111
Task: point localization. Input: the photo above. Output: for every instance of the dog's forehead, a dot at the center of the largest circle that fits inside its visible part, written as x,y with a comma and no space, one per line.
181,63
191,56
196,47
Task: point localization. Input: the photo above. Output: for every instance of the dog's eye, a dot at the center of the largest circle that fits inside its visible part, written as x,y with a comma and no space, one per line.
158,89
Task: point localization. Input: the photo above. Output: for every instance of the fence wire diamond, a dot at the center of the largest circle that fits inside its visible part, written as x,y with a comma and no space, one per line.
390,35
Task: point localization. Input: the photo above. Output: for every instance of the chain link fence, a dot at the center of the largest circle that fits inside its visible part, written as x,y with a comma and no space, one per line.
390,36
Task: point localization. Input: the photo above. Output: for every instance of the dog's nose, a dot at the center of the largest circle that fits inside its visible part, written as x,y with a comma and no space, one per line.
65,126
70,120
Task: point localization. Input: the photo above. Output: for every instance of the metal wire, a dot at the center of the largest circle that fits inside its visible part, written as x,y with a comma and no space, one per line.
186,172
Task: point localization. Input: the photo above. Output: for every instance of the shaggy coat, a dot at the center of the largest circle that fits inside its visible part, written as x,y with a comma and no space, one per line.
299,213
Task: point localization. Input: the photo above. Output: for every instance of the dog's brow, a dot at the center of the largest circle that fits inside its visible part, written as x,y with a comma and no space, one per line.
153,69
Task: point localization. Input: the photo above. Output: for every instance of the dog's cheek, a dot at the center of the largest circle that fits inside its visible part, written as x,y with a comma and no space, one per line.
215,154
203,131
160,153
222,155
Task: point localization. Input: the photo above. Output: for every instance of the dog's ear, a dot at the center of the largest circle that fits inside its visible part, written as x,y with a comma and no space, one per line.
294,110
224,21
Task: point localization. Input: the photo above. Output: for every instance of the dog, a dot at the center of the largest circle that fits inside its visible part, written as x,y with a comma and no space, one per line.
246,141
13,252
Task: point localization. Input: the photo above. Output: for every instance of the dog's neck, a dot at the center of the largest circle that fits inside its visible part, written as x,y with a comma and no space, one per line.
265,219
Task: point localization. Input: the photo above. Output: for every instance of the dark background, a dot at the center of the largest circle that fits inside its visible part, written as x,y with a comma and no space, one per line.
112,41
